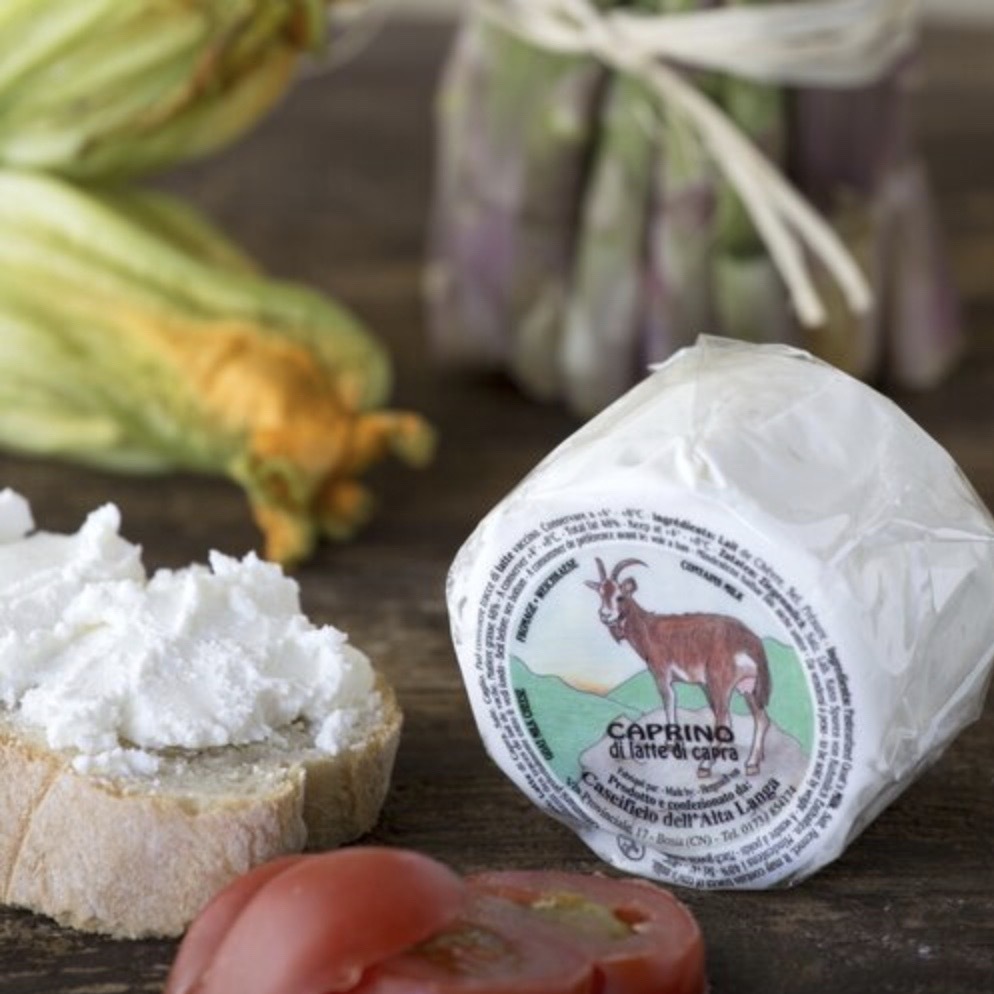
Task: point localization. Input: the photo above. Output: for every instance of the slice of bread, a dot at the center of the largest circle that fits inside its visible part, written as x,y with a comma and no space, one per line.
136,857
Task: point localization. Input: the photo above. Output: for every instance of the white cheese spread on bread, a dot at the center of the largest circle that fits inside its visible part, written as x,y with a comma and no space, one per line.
119,666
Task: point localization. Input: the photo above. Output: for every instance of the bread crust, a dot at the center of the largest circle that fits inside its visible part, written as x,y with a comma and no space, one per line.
133,860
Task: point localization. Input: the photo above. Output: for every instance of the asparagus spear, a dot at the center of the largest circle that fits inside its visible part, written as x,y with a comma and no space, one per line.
841,145
853,154
600,357
516,128
750,300
925,330
677,274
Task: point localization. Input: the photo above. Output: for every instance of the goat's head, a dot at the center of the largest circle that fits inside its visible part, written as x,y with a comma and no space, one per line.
615,593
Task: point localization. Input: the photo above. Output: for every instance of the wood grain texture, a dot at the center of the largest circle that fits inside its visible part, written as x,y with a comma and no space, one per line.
333,191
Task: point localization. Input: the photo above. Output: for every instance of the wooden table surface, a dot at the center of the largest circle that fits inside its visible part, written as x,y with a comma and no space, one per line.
333,191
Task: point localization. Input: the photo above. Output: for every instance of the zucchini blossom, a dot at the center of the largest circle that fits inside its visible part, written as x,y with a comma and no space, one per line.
105,89
135,337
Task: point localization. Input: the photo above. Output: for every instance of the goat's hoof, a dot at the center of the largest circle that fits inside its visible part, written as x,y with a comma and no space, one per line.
752,769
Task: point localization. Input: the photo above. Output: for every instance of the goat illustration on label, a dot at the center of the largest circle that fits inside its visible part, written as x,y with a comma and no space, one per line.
714,651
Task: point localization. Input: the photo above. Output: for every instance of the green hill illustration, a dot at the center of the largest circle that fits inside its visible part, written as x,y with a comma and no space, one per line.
571,720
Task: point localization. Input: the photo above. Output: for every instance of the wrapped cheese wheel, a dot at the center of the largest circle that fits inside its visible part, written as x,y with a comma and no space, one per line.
729,620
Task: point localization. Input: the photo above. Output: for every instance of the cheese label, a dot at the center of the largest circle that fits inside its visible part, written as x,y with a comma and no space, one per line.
665,690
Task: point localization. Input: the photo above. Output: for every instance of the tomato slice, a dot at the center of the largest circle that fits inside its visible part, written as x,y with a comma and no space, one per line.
213,922
641,938
494,947
315,926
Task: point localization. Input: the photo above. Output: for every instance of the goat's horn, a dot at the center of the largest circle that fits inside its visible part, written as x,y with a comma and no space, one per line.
601,569
625,562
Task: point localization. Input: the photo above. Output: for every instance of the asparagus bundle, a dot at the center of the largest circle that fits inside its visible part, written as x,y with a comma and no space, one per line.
650,246
134,337
103,88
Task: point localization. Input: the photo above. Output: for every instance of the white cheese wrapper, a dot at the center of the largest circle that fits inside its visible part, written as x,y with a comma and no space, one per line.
729,620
